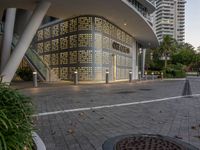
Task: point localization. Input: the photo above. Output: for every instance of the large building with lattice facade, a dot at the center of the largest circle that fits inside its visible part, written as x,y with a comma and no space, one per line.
87,44
91,37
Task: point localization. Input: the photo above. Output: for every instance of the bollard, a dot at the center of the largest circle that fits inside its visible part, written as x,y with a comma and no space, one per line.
35,84
107,76
139,76
130,76
152,75
145,75
75,77
161,75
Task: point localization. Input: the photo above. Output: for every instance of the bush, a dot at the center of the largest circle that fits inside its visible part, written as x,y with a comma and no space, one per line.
15,120
175,71
180,74
25,74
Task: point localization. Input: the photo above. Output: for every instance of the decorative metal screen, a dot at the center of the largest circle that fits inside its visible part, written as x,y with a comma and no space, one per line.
85,44
47,33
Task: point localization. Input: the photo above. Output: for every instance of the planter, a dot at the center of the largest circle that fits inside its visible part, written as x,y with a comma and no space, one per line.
38,142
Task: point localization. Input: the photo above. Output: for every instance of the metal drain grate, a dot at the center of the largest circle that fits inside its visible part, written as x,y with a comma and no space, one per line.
145,142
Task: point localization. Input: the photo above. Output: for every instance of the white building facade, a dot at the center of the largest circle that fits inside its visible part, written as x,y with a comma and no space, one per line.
169,19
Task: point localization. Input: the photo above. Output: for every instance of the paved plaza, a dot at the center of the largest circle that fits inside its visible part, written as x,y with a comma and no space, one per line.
82,117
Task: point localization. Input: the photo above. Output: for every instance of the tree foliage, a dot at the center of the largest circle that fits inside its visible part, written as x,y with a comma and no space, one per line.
180,54
167,47
184,55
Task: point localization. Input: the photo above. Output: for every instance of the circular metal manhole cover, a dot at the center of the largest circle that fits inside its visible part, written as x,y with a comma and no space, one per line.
146,142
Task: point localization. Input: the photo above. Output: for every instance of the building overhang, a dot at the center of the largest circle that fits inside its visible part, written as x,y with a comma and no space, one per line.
119,12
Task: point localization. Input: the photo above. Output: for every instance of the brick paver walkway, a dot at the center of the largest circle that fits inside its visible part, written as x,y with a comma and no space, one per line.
87,130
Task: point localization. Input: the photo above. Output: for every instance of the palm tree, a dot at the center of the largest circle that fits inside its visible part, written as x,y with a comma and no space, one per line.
167,46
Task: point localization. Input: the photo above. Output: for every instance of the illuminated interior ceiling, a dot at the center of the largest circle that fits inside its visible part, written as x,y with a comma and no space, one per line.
116,11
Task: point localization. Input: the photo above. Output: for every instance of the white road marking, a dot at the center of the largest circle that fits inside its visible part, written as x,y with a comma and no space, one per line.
110,106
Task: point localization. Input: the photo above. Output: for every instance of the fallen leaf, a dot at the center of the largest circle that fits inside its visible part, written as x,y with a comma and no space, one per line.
71,131
81,114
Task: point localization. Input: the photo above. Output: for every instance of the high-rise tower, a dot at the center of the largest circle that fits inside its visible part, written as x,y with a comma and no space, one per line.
169,19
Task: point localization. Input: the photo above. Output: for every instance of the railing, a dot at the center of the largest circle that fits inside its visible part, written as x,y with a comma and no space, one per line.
35,60
141,9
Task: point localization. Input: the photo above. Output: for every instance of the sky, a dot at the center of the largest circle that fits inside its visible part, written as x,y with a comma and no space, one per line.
192,22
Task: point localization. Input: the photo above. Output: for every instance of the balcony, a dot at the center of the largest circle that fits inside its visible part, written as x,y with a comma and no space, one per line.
143,8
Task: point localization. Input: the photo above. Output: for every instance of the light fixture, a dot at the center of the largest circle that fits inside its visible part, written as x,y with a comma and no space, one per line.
140,50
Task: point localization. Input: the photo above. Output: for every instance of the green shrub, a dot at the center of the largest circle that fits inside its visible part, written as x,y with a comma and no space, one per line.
175,71
180,74
15,120
25,74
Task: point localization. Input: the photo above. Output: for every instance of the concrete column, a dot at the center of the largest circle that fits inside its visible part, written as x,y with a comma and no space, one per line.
21,20
24,41
143,61
134,63
8,35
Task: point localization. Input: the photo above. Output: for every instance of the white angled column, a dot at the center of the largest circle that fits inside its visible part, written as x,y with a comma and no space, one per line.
143,61
24,41
8,35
